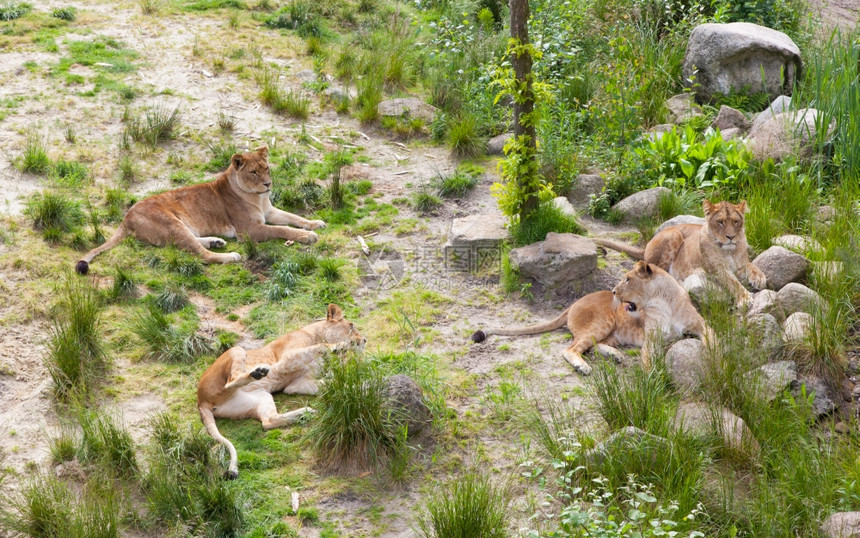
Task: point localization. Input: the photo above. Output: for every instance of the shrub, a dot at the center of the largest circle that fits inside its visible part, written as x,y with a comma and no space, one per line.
547,218
354,427
466,507
76,358
456,185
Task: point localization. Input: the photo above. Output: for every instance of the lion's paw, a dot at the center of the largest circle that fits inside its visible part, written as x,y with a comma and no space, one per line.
311,238
260,372
233,257
757,278
217,243
317,224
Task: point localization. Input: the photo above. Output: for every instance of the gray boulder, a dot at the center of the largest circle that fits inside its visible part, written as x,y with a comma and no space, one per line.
678,220
406,400
773,378
796,327
478,231
407,106
686,363
730,118
767,328
781,266
557,260
725,57
731,133
786,134
656,133
822,396
643,204
584,186
794,297
682,107
797,243
841,525
564,205
779,105
306,75
625,440
700,421
496,145
765,302
698,286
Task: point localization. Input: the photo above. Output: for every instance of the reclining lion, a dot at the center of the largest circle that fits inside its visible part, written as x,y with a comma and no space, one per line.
240,383
647,305
235,204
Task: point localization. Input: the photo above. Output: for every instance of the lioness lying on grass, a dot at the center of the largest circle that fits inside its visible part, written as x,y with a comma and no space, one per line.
647,305
235,204
240,383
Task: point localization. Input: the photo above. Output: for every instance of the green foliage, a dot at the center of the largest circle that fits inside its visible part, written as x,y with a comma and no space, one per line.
107,444
221,154
205,5
284,280
547,218
782,15
292,103
424,201
683,161
76,358
638,398
103,53
35,157
171,300
463,138
54,211
11,10
167,342
368,97
457,184
354,427
65,13
470,506
158,124
70,173
301,17
124,286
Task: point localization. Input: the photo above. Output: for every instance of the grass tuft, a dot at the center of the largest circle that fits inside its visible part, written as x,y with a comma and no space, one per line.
106,444
35,157
463,137
54,211
65,13
424,201
10,11
547,218
157,125
166,342
468,506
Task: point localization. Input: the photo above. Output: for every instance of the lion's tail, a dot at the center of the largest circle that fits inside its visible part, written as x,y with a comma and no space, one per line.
83,265
634,252
209,421
481,335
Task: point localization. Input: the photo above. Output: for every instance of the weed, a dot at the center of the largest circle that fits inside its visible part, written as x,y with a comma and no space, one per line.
226,122
425,202
463,138
70,173
124,286
10,10
330,269
157,125
354,427
70,135
547,218
35,157
368,97
171,300
63,447
65,13
149,7
284,281
456,185
468,506
107,444
166,342
76,358
221,152
128,170
54,211
205,5
295,104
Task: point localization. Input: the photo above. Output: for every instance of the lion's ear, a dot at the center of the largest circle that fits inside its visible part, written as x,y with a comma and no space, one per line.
263,152
708,207
334,313
643,269
237,160
742,206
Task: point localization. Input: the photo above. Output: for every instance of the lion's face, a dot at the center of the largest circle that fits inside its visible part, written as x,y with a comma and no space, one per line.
337,330
726,223
637,286
250,171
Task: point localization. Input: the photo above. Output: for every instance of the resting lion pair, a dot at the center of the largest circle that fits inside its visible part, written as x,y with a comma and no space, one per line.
650,303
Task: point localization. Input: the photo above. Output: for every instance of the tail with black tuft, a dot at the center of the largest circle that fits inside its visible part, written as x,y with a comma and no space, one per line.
82,267
478,336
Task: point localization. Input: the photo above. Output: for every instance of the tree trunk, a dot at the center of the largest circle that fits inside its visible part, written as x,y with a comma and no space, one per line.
522,70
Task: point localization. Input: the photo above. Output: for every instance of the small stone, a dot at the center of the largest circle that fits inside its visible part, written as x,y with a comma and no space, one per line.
781,266
730,118
582,189
682,107
773,378
557,260
768,329
656,133
822,396
794,297
407,401
564,205
496,145
307,75
408,106
781,104
797,243
700,420
765,302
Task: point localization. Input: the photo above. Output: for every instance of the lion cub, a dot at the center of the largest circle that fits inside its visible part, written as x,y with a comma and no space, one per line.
648,304
234,204
718,248
240,383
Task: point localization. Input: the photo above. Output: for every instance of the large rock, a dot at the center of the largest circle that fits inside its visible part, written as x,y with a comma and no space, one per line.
841,525
478,231
407,106
794,297
563,204
700,421
678,220
773,378
584,186
779,105
765,302
698,286
682,107
785,135
406,400
559,259
686,364
496,145
797,243
643,204
781,266
767,329
796,327
730,118
740,56
629,439
822,395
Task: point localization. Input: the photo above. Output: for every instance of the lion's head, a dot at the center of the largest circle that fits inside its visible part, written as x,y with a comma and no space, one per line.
725,223
642,283
249,171
334,329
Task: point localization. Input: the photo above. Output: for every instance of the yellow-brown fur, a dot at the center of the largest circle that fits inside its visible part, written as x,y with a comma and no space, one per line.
718,248
240,383
646,305
194,218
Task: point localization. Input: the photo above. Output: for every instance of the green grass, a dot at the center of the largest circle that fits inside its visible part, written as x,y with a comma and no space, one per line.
101,50
157,124
35,158
425,202
13,10
469,506
167,342
65,13
455,185
293,103
107,444
221,154
463,137
205,5
547,218
70,173
76,358
54,211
